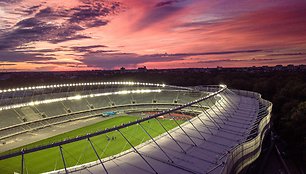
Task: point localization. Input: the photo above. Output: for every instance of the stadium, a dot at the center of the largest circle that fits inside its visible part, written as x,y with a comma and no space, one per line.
130,127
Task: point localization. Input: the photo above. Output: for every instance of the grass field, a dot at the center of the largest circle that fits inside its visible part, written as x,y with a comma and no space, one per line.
81,152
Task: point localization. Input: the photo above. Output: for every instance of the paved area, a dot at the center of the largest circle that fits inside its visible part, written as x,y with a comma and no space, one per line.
30,137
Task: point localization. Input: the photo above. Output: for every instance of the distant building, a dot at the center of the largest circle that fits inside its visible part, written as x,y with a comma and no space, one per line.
142,69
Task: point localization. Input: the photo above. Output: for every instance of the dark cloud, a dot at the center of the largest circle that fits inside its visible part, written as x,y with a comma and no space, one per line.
53,63
24,34
46,68
201,24
68,38
112,60
49,13
214,53
162,11
8,56
9,1
235,60
44,26
37,51
31,9
165,3
87,12
291,60
7,64
97,23
92,13
32,30
87,48
287,54
103,51
29,22
77,66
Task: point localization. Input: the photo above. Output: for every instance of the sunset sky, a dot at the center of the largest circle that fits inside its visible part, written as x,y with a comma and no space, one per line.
57,35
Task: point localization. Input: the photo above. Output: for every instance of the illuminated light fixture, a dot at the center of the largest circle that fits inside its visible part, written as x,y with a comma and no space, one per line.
123,92
222,85
77,97
79,84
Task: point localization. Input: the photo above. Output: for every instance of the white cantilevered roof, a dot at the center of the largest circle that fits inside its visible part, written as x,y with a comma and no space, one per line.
226,124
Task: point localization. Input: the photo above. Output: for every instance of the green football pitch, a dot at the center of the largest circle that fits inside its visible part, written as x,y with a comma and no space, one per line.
81,152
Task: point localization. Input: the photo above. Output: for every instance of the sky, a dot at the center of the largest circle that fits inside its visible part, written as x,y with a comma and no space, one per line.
71,35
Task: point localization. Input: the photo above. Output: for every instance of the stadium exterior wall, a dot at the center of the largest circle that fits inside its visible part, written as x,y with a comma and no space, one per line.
246,153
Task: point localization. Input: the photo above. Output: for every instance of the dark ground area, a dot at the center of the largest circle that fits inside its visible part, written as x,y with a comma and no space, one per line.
285,88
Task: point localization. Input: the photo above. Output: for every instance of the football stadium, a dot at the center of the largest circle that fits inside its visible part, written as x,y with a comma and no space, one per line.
130,127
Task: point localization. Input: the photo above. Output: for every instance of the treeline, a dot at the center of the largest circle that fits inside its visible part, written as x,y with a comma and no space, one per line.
286,90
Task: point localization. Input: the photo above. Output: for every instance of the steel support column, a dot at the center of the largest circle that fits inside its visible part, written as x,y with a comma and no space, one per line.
170,135
62,155
217,109
197,130
184,132
22,161
214,112
97,156
136,151
155,142
209,116
196,115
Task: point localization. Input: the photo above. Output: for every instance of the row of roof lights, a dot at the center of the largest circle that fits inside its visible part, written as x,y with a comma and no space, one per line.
79,84
78,97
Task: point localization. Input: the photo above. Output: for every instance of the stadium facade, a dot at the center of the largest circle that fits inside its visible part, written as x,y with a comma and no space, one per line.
223,133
